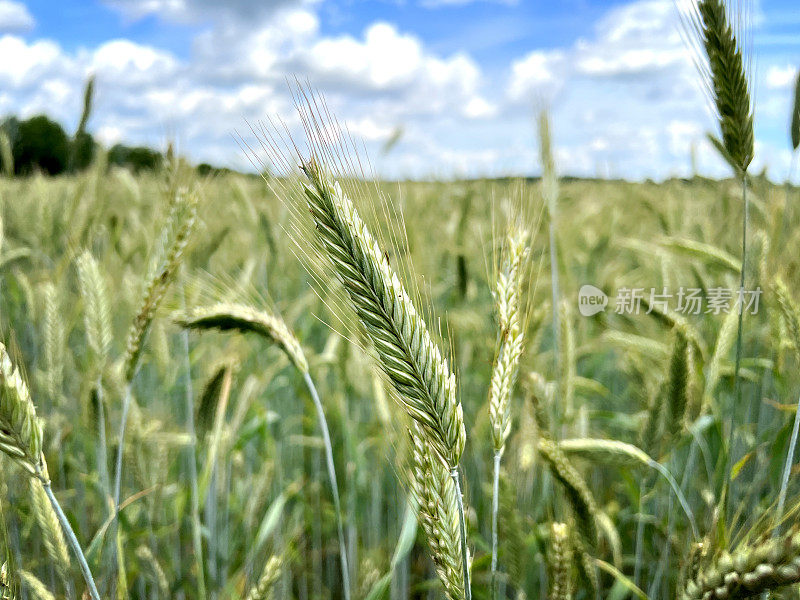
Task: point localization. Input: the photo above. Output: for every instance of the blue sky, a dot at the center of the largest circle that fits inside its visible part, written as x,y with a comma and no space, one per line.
463,78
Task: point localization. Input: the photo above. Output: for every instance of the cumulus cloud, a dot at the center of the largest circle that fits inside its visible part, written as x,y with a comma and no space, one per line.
625,100
14,17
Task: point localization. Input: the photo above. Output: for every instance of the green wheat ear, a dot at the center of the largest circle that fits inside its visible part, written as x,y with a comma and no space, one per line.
20,430
407,354
727,82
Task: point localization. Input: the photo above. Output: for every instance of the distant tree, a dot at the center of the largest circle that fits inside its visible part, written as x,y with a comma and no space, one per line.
40,144
136,158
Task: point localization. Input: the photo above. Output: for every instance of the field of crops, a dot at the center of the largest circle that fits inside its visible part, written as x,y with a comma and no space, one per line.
632,461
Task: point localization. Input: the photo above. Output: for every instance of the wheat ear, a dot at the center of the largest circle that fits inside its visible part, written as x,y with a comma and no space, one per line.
184,216
37,589
507,299
577,491
227,316
420,375
749,571
263,589
20,430
21,439
437,496
727,81
97,322
560,562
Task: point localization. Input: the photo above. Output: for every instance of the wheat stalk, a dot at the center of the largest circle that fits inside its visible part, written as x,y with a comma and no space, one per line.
749,571
550,192
791,316
795,126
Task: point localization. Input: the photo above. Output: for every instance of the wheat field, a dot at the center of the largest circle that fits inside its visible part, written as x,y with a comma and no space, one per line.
599,414
317,384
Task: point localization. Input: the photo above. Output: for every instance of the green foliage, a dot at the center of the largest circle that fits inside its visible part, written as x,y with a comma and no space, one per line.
136,158
40,145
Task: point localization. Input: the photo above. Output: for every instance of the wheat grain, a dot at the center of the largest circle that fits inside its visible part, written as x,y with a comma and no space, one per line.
5,583
677,385
748,571
54,340
243,318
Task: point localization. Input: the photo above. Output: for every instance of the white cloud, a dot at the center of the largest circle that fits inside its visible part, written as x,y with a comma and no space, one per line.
26,65
15,17
539,75
779,78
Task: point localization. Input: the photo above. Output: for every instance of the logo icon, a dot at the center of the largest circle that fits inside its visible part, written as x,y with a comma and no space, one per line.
591,300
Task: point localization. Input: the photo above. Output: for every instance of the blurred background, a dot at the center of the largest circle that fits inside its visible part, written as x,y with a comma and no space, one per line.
436,88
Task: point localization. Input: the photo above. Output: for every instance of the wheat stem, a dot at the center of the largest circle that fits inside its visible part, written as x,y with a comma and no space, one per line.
463,530
737,383
102,448
326,438
191,455
787,467
71,539
495,510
